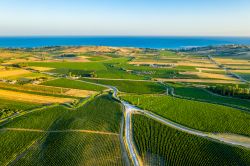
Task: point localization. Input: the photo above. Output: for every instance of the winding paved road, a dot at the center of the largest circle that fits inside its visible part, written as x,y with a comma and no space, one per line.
130,109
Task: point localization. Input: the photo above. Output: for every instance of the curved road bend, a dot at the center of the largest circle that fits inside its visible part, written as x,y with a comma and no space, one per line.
215,137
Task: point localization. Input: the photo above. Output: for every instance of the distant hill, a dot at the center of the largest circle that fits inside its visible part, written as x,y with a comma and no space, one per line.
231,51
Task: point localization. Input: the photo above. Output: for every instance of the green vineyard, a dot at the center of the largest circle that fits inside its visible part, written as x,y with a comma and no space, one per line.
205,117
94,115
61,136
69,149
15,143
161,145
42,119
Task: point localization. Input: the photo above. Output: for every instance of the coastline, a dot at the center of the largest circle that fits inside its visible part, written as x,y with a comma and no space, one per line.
151,42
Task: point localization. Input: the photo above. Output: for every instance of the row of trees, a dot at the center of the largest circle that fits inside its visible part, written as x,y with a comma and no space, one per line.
234,91
8,112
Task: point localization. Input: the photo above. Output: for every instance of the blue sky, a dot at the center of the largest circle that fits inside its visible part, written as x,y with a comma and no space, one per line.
125,17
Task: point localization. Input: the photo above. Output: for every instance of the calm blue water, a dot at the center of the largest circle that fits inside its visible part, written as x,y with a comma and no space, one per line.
142,42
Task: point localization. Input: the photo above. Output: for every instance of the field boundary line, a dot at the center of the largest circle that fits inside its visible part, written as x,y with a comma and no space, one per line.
111,79
59,131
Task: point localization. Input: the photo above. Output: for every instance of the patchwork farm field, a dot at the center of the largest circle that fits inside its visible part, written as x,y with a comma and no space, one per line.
102,105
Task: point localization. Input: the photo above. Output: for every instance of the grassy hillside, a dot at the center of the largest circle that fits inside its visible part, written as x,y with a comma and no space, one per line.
161,145
193,114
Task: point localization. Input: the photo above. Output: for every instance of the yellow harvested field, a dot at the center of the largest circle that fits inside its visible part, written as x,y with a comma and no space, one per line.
231,61
102,49
238,67
199,81
8,54
41,68
65,91
209,75
197,61
78,59
149,63
12,72
210,69
169,58
241,71
20,96
208,65
20,60
71,59
79,93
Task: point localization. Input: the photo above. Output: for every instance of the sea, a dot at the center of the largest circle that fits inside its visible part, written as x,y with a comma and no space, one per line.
120,41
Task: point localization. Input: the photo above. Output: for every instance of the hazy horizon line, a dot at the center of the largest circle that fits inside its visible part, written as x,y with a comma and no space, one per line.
212,36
